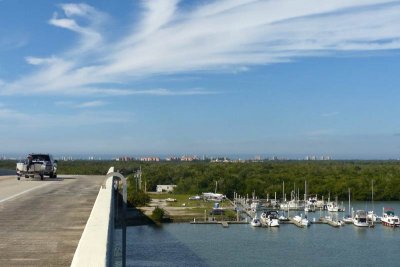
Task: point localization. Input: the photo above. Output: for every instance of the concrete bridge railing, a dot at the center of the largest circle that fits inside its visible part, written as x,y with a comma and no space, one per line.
95,247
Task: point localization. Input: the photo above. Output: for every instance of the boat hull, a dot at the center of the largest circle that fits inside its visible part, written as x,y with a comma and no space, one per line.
360,224
389,224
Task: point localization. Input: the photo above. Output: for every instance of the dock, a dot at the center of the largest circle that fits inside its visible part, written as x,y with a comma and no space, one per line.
298,224
225,224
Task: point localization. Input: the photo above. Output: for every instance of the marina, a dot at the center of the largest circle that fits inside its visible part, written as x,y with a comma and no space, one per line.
243,245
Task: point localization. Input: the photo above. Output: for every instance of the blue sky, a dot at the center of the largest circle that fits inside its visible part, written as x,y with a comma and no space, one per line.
287,78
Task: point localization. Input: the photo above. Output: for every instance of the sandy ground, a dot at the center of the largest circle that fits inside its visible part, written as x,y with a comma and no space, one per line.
172,211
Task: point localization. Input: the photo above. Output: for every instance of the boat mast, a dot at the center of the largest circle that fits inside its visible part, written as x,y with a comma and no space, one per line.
349,201
305,191
372,193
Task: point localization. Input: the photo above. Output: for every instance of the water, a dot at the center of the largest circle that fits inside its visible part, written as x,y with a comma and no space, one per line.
242,245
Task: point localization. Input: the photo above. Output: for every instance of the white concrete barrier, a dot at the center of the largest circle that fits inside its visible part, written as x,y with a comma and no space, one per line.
94,245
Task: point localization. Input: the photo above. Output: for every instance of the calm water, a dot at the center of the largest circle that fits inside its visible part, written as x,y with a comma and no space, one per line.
243,245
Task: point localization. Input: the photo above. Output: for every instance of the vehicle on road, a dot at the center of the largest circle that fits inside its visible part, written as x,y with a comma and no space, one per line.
37,165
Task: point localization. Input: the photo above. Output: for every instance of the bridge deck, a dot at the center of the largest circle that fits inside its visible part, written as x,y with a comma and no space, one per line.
41,222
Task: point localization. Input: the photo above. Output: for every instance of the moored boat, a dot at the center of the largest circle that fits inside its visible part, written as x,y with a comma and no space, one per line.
360,219
389,219
255,222
347,219
372,217
334,207
270,218
301,220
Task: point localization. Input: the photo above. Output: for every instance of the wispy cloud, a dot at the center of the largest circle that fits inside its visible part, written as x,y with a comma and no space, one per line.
330,114
223,35
87,104
92,104
23,120
13,41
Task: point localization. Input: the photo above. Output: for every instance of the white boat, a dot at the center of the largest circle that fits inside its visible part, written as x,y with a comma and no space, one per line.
347,219
389,219
283,218
333,207
293,205
372,217
334,223
301,220
270,218
360,219
255,222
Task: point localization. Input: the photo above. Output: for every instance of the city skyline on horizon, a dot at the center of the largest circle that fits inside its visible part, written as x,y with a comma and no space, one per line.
244,77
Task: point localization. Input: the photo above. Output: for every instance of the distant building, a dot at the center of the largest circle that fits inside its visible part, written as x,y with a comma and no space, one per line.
189,158
165,188
172,159
124,159
150,159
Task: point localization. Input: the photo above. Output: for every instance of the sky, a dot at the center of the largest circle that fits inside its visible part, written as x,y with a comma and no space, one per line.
228,77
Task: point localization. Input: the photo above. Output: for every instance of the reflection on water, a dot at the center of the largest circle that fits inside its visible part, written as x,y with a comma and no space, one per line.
156,246
243,245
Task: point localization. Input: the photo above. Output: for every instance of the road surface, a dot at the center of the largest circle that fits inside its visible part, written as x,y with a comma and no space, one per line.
41,222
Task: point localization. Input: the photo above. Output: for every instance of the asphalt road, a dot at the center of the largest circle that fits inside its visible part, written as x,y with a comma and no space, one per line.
41,222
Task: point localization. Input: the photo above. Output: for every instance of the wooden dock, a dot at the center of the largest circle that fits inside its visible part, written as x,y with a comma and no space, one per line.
224,224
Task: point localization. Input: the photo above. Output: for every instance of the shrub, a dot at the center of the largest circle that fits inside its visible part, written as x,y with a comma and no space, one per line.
158,214
138,199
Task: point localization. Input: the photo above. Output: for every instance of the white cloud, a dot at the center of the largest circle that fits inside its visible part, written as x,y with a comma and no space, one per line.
92,104
153,92
23,120
212,36
81,105
10,115
39,61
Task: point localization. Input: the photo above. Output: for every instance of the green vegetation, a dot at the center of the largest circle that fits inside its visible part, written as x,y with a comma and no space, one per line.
323,177
158,214
7,164
334,177
135,197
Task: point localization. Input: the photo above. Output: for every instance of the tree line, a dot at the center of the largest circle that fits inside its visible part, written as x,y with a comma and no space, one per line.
265,178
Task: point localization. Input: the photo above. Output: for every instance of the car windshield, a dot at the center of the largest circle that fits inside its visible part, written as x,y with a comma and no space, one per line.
39,157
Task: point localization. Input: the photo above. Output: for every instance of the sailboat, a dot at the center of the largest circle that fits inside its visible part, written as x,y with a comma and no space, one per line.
348,218
371,216
334,206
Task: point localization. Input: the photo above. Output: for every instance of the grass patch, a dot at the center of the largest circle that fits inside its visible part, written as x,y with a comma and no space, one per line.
182,200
